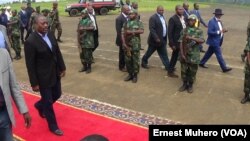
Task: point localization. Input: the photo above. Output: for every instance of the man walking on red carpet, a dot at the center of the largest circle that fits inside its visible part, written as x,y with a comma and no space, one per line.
45,67
9,89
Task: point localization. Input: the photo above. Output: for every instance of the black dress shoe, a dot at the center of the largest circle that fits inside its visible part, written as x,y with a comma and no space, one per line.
203,66
172,74
145,66
40,111
203,51
123,69
227,69
58,132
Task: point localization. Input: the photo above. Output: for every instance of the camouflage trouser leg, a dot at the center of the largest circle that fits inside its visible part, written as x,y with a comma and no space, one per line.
16,45
188,72
247,78
132,62
86,56
59,30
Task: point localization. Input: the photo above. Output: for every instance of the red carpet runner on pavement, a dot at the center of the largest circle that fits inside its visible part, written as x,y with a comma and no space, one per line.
76,124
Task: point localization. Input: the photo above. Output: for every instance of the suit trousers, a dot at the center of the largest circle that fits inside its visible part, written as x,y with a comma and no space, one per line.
121,58
209,53
48,97
162,52
174,58
96,41
22,32
5,125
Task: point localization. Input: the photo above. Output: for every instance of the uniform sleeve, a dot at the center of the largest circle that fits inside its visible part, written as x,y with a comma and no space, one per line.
141,25
201,35
181,36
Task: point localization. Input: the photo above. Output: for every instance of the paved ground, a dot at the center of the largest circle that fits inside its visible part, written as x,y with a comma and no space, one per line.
216,97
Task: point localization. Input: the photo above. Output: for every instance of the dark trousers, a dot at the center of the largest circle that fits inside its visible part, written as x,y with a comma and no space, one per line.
174,59
96,40
211,50
48,97
121,58
162,52
22,32
5,125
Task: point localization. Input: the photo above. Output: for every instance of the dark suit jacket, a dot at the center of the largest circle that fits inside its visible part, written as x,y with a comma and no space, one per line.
24,18
119,21
156,30
96,34
43,64
214,39
197,13
174,30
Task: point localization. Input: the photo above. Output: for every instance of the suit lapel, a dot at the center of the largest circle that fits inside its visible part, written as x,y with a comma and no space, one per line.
43,42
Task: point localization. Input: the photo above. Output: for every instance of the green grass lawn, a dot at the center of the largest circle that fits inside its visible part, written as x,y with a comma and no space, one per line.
144,5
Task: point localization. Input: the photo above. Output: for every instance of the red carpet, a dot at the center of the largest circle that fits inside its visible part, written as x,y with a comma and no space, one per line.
76,124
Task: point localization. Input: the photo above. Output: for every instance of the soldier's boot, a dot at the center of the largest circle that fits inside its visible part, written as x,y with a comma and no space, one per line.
84,68
183,87
59,37
88,68
129,77
134,80
18,56
243,57
245,99
190,87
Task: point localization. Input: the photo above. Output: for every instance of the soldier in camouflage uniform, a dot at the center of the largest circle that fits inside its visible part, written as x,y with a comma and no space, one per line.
55,22
131,42
244,54
247,70
31,27
46,14
86,41
13,24
190,40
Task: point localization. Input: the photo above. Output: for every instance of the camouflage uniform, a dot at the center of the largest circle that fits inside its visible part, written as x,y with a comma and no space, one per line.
189,67
247,69
132,57
15,35
55,23
86,41
247,72
244,54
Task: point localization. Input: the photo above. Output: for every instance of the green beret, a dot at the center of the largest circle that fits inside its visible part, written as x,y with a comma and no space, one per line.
133,11
45,11
192,17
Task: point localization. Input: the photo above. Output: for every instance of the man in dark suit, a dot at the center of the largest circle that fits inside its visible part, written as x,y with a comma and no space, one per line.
186,12
45,67
96,32
120,20
214,40
157,38
24,22
197,12
175,25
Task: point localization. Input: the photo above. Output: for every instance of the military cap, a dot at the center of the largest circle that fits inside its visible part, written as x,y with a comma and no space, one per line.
133,11
45,11
84,11
37,8
192,17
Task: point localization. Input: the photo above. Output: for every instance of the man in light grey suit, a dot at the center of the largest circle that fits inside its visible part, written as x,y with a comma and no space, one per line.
9,89
3,34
